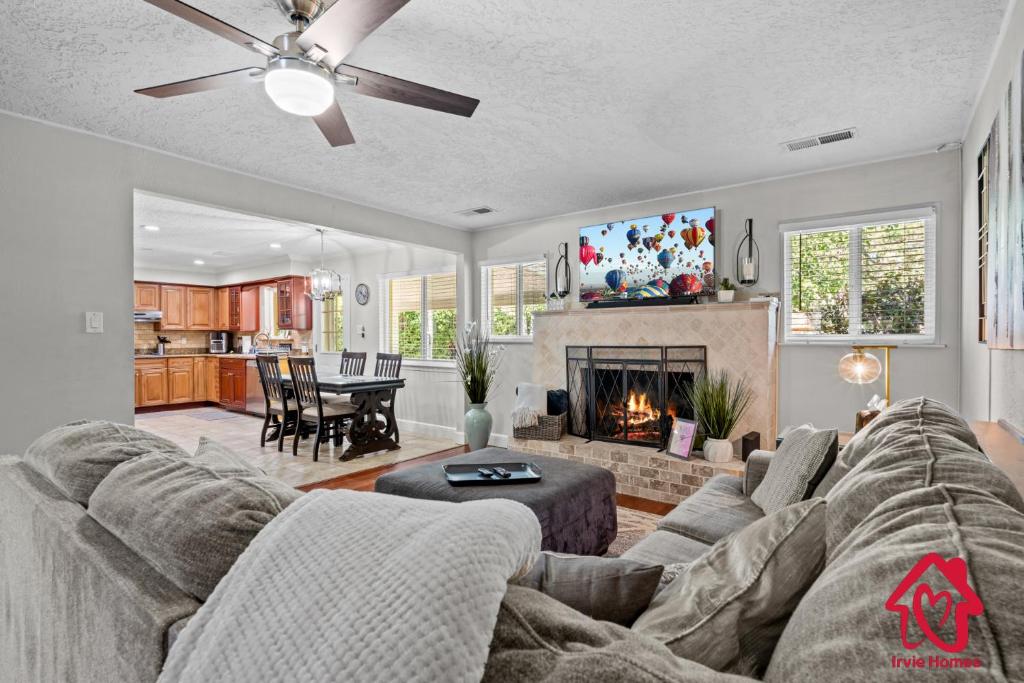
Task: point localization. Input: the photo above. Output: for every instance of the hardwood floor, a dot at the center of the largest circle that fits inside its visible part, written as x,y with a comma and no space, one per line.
364,481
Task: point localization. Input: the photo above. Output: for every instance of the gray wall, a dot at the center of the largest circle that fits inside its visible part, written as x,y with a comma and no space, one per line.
66,207
992,381
809,388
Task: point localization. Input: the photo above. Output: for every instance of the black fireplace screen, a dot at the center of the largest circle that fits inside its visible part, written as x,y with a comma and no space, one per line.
630,393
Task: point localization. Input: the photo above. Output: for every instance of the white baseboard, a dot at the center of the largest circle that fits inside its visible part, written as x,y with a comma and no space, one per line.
430,430
496,440
441,432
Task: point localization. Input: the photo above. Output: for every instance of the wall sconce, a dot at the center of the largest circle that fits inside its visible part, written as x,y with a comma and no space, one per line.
748,268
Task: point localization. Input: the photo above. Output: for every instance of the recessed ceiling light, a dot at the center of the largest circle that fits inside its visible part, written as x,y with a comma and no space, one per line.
151,228
199,262
275,245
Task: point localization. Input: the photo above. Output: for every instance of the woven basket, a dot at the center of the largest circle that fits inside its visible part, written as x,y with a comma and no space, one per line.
548,428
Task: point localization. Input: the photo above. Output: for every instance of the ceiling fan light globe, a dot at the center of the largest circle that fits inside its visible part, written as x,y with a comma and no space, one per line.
298,87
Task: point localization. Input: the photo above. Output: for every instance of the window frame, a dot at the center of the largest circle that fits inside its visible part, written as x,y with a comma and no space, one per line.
485,295
983,192
426,342
928,213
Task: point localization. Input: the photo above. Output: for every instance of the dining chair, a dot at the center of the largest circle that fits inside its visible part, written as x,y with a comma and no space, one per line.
275,401
329,418
388,365
353,362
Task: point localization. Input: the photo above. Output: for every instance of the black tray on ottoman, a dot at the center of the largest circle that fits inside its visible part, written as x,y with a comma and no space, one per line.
469,474
574,502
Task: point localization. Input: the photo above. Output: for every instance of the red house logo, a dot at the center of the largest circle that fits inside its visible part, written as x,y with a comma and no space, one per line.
928,606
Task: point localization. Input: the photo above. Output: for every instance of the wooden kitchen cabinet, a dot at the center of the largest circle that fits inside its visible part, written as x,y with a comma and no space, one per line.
294,307
212,379
151,382
200,307
147,296
222,315
179,380
173,304
235,309
232,383
250,309
138,387
199,379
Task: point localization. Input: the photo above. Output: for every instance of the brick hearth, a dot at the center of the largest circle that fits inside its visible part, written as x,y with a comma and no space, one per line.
639,471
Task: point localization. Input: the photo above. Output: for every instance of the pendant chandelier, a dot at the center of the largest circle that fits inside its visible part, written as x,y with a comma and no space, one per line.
324,283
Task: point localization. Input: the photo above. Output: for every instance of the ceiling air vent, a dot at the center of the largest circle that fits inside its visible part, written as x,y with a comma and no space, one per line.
478,211
818,140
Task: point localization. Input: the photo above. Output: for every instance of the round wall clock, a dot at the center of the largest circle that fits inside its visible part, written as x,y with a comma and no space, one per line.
362,294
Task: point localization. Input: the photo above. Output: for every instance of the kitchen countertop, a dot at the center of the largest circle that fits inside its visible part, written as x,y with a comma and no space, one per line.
236,356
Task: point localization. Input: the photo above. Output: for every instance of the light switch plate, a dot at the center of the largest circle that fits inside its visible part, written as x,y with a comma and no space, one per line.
94,322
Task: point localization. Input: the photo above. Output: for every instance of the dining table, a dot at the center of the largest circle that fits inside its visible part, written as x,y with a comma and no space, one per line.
373,428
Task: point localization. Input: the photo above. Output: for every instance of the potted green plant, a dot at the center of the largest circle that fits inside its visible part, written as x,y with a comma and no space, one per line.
556,301
718,403
477,361
726,291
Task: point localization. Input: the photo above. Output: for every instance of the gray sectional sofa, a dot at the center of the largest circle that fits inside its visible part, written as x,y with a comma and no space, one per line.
719,508
78,605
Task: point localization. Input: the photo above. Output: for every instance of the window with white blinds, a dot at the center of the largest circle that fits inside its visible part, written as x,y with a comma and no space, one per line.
869,278
418,316
511,294
332,325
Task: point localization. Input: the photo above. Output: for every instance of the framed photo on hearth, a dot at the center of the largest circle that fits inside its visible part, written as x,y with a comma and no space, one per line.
680,441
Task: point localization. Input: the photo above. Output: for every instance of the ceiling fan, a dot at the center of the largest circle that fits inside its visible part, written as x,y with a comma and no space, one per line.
304,65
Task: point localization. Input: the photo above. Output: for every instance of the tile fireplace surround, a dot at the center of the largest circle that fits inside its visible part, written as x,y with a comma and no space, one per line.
740,337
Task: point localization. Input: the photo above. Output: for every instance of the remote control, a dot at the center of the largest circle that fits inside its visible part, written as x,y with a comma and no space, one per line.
486,471
502,472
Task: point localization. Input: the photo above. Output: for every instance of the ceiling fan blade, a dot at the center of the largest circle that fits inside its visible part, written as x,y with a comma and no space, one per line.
335,128
228,79
345,24
215,25
395,89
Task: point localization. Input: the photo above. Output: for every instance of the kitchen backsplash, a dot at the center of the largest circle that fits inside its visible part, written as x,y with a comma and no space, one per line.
146,334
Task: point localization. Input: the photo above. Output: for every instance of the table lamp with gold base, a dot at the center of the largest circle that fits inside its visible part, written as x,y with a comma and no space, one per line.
864,368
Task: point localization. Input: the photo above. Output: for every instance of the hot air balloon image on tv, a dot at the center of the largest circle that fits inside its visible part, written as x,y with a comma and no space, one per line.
667,256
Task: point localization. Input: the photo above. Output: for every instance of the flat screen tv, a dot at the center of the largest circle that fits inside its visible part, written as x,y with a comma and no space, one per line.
658,257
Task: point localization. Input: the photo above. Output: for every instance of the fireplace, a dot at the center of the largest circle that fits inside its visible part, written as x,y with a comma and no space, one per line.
630,394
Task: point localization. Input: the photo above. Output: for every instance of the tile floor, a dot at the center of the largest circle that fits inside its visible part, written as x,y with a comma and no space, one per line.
241,433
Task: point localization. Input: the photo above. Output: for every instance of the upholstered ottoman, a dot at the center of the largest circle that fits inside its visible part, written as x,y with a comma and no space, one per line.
575,503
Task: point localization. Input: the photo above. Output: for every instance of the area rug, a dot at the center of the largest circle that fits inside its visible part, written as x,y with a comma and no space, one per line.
634,526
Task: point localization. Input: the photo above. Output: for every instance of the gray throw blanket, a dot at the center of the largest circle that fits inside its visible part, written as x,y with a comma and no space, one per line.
348,586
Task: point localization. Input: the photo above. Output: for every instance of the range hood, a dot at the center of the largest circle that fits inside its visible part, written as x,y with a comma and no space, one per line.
148,316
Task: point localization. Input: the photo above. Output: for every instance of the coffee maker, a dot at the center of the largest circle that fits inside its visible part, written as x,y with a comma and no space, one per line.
220,342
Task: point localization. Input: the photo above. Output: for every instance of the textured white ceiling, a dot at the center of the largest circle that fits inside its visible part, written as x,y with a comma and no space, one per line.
583,104
226,240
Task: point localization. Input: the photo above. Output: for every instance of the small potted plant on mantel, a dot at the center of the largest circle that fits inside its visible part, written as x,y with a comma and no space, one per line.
726,291
718,403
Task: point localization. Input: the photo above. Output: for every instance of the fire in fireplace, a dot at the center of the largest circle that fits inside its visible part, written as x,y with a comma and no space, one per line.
635,420
630,393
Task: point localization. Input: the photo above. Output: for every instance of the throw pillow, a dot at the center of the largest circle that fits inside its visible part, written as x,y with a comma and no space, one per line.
77,456
729,607
604,588
189,519
796,468
222,458
536,638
